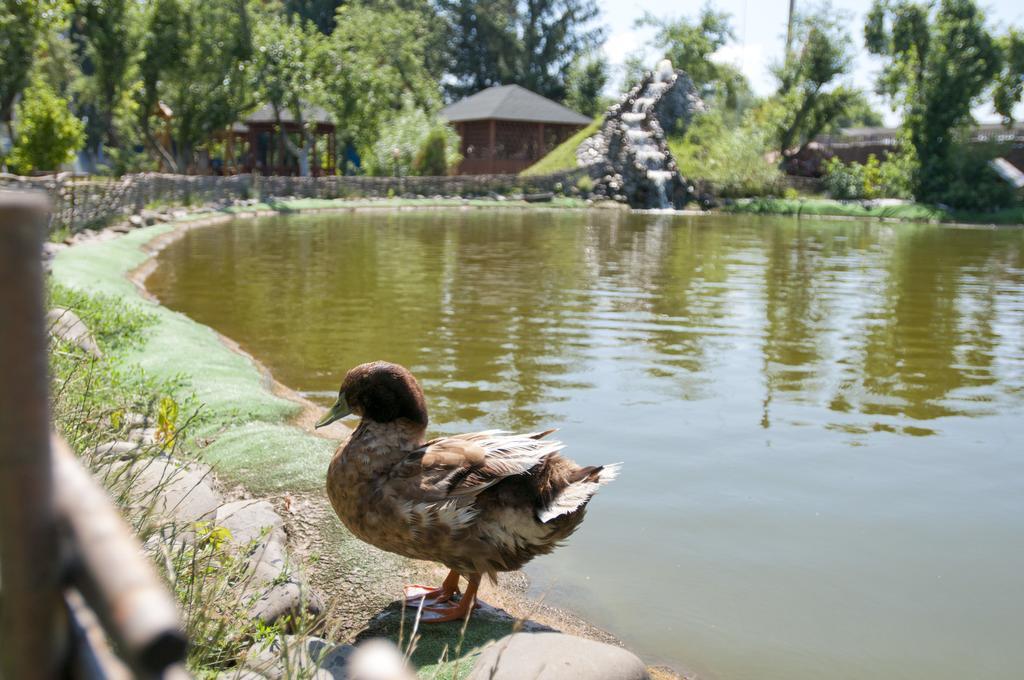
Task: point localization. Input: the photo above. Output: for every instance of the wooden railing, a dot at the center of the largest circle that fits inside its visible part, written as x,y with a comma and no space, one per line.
74,582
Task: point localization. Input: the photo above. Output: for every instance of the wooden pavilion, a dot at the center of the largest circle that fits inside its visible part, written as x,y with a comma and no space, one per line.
255,144
507,128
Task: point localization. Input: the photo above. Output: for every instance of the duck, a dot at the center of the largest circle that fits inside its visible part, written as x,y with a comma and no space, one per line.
478,503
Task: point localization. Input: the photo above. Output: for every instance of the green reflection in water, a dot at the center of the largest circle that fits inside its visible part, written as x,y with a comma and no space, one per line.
820,420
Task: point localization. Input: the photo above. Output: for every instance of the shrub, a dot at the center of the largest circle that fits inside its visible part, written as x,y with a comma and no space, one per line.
889,179
48,134
732,158
403,137
431,160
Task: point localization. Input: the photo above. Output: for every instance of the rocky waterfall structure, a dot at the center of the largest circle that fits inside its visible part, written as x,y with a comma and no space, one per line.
629,159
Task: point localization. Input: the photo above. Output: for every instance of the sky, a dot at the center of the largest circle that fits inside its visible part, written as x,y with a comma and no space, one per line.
760,27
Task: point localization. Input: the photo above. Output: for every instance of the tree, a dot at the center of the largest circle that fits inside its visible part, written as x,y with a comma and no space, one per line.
320,12
531,43
195,56
108,30
940,60
858,113
48,133
809,96
288,66
586,81
20,26
377,61
689,43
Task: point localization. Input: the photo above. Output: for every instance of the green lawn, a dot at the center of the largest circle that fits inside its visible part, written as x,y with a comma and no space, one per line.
563,157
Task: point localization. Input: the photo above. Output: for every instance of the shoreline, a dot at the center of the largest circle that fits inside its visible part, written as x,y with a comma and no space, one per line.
278,413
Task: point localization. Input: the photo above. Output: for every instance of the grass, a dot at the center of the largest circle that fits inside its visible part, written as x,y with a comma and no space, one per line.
820,206
92,399
911,212
563,157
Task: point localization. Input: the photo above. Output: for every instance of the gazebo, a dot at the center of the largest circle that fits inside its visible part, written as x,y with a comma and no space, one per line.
507,128
256,145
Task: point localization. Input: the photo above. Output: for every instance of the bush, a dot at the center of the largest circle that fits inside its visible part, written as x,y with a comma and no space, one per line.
967,183
404,137
48,134
889,179
431,160
732,158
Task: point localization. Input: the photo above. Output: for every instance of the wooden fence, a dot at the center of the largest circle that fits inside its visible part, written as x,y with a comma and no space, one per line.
67,558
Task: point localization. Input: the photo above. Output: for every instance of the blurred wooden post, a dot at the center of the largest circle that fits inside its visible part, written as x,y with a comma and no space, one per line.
31,621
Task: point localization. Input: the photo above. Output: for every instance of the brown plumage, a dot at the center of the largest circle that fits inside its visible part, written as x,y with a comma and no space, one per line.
478,503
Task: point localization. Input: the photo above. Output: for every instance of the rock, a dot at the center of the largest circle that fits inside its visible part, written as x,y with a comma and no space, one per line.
118,449
255,526
65,324
179,214
555,656
240,674
137,221
286,599
181,493
292,656
143,435
50,248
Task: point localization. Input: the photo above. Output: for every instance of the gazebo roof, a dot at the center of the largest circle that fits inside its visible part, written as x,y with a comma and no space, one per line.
310,114
511,102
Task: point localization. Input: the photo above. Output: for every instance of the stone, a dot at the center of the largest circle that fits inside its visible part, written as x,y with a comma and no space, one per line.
143,435
118,449
181,493
555,656
137,221
240,674
295,656
285,599
65,324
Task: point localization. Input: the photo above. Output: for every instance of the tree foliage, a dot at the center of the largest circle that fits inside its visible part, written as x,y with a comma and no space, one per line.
940,60
379,60
810,94
586,81
195,56
48,134
21,22
108,31
289,71
530,43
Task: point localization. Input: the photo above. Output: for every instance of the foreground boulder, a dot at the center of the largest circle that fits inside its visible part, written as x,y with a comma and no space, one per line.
65,324
555,656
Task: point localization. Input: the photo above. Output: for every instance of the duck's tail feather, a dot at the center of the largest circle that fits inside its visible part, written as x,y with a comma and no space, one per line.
578,493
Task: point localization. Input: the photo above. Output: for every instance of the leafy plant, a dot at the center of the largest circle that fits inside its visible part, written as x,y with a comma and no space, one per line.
48,133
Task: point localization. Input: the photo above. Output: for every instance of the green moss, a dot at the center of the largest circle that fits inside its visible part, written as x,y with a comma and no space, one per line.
563,157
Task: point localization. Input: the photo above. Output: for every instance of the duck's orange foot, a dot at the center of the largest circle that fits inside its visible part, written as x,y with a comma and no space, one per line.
414,594
448,611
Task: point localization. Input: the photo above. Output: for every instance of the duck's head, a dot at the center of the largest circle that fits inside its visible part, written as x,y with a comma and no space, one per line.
381,392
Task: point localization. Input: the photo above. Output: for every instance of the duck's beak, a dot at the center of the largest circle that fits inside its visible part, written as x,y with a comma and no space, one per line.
338,411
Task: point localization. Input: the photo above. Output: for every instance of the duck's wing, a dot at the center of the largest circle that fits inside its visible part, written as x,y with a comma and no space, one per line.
464,465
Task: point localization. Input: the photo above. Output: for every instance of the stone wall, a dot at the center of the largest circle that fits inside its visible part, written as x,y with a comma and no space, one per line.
81,203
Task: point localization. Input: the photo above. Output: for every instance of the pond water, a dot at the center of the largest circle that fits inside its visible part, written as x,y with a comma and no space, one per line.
820,421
